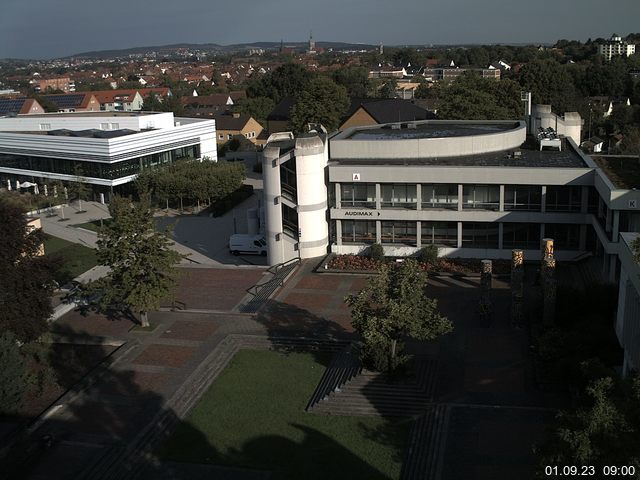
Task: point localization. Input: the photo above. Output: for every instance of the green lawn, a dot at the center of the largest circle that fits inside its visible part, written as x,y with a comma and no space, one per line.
93,225
75,259
253,416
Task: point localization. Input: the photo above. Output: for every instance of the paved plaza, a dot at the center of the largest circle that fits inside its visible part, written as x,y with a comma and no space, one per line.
484,376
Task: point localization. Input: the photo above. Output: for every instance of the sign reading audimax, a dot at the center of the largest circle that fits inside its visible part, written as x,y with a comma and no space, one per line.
360,213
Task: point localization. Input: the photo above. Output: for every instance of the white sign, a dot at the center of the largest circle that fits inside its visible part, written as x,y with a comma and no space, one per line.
356,177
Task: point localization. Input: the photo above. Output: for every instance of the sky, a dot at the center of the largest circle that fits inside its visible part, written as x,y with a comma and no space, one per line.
55,28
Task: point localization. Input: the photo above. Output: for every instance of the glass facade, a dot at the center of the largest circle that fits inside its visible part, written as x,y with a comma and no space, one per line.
358,231
289,180
440,196
439,233
565,236
399,195
481,197
289,221
563,198
109,171
399,232
523,197
525,236
358,195
480,235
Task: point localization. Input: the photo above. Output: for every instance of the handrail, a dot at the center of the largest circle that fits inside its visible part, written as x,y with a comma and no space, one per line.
273,270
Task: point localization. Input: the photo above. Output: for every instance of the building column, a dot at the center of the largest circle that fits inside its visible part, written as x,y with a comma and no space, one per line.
419,234
584,201
541,232
501,201
459,234
338,232
582,241
460,199
543,202
613,259
608,220
500,234
338,196
616,226
378,231
419,196
378,199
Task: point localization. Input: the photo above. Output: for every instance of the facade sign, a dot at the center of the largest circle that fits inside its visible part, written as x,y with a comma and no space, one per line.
361,213
355,177
633,204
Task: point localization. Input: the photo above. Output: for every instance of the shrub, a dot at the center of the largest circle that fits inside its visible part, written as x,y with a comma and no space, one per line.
376,252
428,254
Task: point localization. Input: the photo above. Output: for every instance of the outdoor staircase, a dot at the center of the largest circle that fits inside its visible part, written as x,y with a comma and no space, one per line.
370,393
262,292
344,366
422,459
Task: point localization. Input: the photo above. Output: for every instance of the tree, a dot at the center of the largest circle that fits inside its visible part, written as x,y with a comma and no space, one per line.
550,83
355,80
78,188
393,306
27,279
322,101
285,81
140,258
15,377
258,107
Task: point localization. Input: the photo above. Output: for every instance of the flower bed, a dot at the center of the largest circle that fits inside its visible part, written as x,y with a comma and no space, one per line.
460,266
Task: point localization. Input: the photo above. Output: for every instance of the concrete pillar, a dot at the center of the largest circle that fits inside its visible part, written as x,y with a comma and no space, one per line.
541,231
460,197
419,198
419,234
584,201
501,204
500,235
378,197
613,263
338,195
338,232
517,287
543,199
582,241
272,205
459,234
616,226
378,231
608,220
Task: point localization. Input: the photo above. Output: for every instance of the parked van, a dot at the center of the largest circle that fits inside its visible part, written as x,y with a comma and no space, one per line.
242,243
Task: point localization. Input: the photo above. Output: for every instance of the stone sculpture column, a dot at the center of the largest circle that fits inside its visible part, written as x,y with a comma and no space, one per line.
486,275
548,281
517,287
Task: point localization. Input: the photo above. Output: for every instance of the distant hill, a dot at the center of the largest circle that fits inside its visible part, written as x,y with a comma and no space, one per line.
214,47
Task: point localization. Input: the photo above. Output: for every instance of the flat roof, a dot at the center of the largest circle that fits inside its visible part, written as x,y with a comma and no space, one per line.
622,170
429,129
89,114
529,157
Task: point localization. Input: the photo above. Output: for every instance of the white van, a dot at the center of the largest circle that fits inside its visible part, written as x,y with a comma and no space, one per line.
242,243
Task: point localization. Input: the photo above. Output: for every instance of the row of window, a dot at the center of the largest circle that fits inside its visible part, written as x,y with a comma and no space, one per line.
110,171
474,234
445,196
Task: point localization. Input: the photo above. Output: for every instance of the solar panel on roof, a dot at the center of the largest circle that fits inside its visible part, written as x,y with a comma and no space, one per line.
72,100
12,105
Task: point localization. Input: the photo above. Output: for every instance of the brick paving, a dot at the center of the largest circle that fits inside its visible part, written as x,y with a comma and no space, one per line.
485,364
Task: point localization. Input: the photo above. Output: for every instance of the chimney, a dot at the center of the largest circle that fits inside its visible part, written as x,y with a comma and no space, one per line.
236,115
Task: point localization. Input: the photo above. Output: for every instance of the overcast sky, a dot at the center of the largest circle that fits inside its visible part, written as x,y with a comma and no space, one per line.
52,28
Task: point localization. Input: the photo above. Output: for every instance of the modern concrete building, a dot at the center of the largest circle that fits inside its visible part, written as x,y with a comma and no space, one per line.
109,148
474,189
615,46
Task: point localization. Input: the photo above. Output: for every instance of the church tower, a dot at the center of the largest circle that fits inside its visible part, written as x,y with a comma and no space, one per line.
312,44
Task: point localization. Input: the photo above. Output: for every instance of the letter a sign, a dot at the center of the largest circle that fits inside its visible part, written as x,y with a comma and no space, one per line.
356,177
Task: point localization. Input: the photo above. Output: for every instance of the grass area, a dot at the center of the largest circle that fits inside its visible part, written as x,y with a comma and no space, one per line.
624,172
253,417
75,259
93,225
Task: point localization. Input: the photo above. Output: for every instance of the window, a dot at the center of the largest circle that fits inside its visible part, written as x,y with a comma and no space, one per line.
104,126
221,137
565,236
361,195
115,126
523,197
358,231
45,126
563,198
399,233
482,197
521,235
439,233
399,195
480,235
440,196
229,136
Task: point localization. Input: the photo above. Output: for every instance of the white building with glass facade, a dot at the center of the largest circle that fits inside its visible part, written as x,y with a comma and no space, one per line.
108,148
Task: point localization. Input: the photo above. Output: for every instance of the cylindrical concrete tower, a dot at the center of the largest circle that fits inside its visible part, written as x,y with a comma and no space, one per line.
311,160
272,207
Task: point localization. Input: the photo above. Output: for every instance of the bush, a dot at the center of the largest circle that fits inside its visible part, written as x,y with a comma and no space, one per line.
428,255
376,252
376,356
